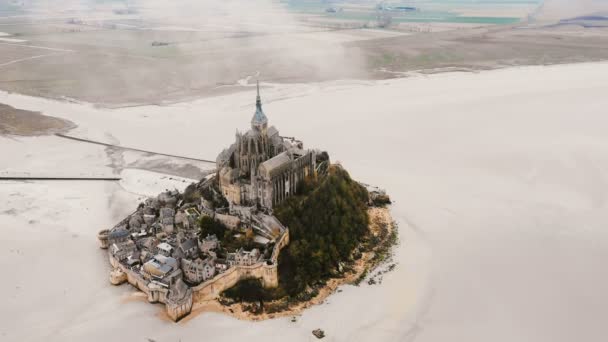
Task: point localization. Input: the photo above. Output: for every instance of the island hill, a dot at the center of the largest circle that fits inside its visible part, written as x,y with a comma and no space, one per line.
276,220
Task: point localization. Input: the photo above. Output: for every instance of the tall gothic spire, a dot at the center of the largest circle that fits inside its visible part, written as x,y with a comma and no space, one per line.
258,100
259,120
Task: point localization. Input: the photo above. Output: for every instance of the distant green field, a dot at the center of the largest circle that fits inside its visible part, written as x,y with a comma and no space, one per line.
428,11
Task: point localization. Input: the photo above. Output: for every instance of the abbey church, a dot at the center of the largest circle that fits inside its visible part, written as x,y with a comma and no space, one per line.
262,167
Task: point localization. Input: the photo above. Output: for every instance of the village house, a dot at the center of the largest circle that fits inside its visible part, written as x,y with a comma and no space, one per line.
123,250
198,270
164,249
243,258
168,198
188,248
209,243
118,235
230,221
181,220
167,219
161,268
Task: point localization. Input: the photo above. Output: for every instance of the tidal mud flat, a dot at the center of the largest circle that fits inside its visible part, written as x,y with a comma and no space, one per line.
20,122
497,180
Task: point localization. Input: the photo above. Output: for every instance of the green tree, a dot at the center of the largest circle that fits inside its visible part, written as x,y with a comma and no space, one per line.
326,222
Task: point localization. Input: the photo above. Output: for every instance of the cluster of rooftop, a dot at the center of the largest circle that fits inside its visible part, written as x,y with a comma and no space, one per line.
160,248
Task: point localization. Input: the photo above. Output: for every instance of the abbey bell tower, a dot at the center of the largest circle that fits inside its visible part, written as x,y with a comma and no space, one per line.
259,122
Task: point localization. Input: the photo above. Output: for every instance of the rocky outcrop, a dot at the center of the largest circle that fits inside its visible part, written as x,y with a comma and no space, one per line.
117,276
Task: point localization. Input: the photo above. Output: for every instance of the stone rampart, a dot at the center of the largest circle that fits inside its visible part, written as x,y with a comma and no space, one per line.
266,272
181,308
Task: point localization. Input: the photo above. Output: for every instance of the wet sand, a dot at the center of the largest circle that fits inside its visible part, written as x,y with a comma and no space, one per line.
499,189
27,123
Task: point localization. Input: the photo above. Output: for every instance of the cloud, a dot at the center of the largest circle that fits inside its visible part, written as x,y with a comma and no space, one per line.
206,42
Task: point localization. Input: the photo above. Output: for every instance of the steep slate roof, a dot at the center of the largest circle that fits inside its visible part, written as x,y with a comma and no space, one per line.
164,246
188,244
118,233
276,161
160,265
272,131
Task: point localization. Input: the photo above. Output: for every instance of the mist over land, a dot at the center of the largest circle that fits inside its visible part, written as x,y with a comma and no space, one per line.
118,53
497,169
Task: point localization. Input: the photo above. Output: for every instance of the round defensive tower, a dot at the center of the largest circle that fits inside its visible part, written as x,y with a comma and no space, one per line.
102,236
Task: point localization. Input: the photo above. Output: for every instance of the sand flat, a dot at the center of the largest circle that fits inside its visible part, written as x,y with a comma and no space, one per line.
499,186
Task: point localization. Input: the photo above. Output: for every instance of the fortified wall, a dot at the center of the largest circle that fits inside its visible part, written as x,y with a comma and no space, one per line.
266,271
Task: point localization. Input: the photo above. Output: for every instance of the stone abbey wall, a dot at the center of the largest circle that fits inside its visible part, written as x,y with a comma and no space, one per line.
177,310
283,241
212,288
132,277
268,275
